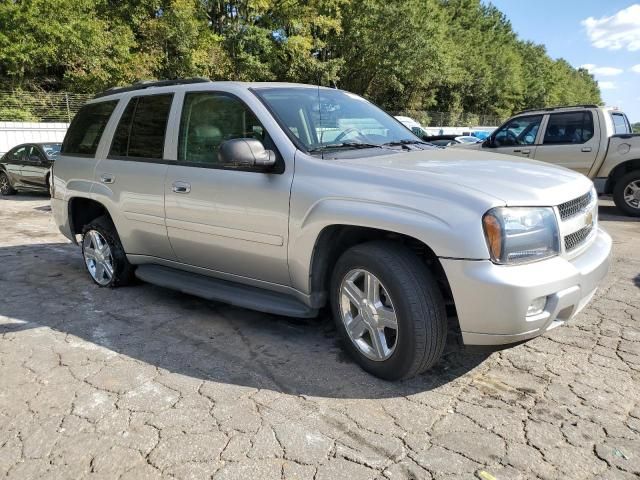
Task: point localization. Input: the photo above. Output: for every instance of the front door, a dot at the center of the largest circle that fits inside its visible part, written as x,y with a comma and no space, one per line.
35,168
570,140
516,137
229,220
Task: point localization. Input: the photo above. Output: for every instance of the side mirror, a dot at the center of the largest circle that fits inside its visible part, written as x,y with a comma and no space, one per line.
245,152
488,143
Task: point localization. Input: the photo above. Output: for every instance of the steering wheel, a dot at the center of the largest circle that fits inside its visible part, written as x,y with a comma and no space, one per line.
347,131
512,137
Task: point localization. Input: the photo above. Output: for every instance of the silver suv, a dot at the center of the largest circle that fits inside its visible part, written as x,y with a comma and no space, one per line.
285,198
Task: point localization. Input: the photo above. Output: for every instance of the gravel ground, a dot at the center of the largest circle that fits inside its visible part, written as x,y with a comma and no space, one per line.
142,382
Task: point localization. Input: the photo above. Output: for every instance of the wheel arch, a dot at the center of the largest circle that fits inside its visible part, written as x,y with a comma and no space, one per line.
618,172
83,210
335,239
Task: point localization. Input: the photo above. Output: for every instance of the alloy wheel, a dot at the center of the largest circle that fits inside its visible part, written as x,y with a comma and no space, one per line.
5,187
631,194
97,257
368,315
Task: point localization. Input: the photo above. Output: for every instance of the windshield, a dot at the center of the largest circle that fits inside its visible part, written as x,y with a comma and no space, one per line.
320,119
52,150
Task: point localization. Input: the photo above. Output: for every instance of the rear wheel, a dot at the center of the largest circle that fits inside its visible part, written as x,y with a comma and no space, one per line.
626,194
388,310
104,256
5,185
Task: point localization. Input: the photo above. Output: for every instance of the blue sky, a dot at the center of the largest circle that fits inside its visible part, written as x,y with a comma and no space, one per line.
603,35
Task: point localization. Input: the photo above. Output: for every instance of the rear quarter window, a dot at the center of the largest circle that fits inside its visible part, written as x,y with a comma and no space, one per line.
620,123
87,127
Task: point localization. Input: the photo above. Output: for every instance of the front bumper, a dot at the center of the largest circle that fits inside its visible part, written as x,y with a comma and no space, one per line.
492,300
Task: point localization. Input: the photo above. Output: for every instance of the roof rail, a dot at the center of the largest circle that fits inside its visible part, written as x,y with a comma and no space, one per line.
551,109
151,84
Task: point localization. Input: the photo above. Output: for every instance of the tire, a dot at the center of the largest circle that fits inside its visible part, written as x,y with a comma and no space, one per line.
5,185
624,184
102,231
409,290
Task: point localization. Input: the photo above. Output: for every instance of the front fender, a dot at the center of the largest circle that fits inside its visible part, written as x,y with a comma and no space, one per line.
453,232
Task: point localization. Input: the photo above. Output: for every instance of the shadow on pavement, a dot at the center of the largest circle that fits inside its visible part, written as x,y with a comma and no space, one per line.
26,197
46,286
611,213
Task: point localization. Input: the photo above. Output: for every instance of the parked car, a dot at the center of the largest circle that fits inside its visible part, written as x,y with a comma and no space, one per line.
27,167
449,140
595,141
285,198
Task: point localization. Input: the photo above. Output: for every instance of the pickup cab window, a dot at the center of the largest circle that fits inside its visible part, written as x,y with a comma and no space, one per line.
620,123
569,128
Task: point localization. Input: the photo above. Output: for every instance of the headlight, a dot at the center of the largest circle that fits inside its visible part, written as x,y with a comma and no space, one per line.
521,234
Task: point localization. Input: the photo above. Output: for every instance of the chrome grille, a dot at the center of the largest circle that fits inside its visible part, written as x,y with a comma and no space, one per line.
575,239
575,206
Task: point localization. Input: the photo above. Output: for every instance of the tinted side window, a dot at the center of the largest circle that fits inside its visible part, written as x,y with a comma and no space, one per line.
620,123
86,128
35,155
519,131
142,128
208,119
568,128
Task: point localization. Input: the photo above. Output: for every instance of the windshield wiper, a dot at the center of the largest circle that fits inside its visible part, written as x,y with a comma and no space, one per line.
345,145
406,142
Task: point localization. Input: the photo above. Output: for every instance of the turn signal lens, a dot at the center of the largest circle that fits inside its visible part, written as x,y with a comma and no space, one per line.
493,232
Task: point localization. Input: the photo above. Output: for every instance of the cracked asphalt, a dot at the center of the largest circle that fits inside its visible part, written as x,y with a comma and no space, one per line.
142,382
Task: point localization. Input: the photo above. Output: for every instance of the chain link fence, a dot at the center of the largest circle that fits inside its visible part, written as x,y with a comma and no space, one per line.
21,106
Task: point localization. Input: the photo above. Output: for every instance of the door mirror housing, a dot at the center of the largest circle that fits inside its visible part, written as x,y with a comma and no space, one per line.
488,143
246,152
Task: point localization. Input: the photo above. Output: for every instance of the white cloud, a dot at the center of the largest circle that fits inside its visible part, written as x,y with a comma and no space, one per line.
602,71
636,68
621,30
607,85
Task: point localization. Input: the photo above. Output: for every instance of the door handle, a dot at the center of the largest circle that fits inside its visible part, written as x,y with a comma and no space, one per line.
107,178
181,187
525,151
586,149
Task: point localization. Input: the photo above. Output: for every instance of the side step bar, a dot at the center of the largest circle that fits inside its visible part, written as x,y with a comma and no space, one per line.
224,291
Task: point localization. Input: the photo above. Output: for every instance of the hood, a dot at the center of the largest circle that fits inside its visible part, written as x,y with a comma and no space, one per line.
513,180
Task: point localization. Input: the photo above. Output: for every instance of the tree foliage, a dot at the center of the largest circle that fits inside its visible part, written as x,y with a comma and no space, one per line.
446,55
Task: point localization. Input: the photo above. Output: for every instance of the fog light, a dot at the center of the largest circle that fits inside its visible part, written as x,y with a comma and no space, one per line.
537,306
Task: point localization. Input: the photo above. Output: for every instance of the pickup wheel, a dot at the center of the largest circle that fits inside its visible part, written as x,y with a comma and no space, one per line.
388,310
103,254
5,185
626,194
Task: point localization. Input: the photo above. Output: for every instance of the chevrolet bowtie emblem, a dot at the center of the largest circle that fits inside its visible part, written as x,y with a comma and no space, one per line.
588,219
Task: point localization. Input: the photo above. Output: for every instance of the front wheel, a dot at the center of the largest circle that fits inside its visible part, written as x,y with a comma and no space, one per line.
5,185
388,310
626,194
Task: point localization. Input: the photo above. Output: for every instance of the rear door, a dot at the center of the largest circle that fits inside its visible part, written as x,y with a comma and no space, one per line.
571,140
130,180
